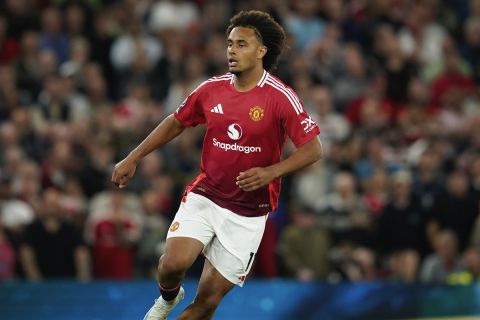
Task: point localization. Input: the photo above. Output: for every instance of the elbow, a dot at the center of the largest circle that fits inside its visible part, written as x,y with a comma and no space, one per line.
317,153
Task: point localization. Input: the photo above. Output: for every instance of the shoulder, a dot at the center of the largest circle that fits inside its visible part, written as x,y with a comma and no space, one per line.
215,81
275,84
283,93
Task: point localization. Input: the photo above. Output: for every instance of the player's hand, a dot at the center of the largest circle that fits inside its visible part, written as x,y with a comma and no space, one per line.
123,172
255,178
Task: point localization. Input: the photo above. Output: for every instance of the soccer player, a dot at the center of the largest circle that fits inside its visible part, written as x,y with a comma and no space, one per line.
248,114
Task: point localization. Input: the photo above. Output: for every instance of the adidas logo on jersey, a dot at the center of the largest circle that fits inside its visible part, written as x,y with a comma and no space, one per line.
217,109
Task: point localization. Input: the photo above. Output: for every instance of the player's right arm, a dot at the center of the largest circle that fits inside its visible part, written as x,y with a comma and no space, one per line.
166,131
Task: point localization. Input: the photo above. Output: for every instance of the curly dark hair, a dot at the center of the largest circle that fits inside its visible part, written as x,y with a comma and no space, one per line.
268,31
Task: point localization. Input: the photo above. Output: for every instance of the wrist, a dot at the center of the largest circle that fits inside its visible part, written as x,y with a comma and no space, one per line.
275,172
134,157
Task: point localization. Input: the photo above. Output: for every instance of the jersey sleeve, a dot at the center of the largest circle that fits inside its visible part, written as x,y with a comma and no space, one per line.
190,112
297,123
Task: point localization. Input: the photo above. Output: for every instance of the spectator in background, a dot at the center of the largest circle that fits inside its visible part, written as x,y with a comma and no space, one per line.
53,105
114,228
192,75
344,214
470,48
21,16
402,266
73,202
76,20
133,116
214,55
444,260
377,155
375,192
455,210
10,95
27,185
52,37
352,79
9,47
304,246
357,265
470,268
452,78
152,240
15,216
173,14
61,163
77,61
266,264
302,22
310,184
414,118
7,257
94,175
105,29
334,125
134,54
398,68
96,88
402,216
474,172
421,36
428,180
372,111
213,17
327,54
27,64
74,97
54,248
150,168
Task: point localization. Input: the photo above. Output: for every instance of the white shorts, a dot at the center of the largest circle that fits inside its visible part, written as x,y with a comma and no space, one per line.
230,240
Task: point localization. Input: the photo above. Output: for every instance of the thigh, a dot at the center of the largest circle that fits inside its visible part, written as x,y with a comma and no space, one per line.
181,252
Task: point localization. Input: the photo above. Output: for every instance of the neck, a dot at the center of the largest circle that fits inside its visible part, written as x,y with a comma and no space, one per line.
247,80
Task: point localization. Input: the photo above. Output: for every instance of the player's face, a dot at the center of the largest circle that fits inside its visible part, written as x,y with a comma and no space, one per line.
244,50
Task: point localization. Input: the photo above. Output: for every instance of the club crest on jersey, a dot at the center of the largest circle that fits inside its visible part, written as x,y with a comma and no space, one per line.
256,113
174,226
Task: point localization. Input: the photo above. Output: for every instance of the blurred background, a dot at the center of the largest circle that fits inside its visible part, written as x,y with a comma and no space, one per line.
393,84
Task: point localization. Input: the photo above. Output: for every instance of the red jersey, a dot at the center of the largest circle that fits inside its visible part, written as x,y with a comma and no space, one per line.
243,130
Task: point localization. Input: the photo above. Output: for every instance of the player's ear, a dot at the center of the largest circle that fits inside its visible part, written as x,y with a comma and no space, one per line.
261,52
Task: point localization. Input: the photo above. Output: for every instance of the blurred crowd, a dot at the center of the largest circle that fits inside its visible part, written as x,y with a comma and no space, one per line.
393,84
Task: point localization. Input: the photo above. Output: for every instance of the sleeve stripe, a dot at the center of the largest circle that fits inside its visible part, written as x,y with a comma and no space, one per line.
294,103
288,90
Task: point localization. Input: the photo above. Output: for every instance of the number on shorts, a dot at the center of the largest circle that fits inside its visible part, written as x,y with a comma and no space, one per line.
250,260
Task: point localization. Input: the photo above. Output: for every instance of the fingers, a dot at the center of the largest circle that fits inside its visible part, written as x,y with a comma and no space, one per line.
120,180
249,180
243,175
251,187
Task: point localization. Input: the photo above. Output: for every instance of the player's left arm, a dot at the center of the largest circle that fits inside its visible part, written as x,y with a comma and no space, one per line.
257,177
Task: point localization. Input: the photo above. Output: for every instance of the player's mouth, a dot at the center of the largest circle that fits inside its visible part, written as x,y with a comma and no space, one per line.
232,63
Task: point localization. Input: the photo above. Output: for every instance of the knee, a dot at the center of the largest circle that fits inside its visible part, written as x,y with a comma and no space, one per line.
168,265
